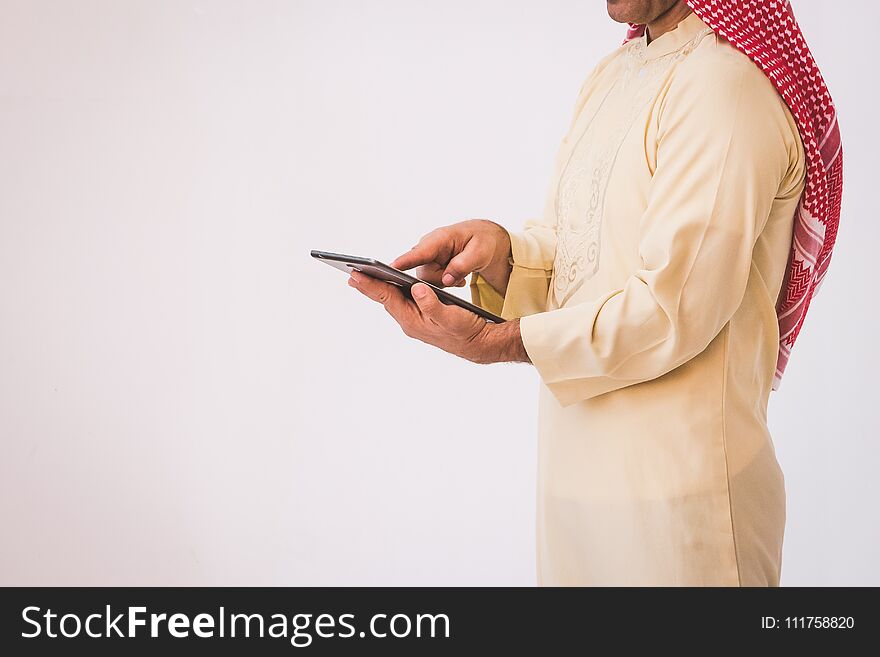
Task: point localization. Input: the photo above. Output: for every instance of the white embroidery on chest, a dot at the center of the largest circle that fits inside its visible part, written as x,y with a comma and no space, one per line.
580,197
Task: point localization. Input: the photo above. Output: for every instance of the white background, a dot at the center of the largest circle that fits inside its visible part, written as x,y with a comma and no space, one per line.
187,398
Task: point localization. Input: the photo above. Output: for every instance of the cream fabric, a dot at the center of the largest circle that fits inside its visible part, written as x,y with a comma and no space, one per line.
647,295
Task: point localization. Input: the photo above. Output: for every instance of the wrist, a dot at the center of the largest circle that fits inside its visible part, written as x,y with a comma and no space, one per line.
497,273
503,252
500,343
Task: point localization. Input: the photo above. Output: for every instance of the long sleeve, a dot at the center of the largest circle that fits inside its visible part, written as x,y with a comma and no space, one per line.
715,177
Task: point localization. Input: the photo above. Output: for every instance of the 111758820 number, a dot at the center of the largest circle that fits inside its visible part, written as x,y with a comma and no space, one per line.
808,622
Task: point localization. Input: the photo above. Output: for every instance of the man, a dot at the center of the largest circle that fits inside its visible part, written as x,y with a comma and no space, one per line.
690,219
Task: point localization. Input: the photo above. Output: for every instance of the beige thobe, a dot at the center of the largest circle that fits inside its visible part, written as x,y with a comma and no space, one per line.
647,293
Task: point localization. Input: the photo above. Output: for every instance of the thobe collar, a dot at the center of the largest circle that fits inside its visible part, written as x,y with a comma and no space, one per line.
671,41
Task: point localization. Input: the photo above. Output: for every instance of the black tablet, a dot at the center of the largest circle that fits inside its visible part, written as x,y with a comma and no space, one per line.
403,280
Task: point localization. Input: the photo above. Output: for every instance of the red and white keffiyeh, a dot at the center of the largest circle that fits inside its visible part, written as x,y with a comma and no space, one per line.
766,31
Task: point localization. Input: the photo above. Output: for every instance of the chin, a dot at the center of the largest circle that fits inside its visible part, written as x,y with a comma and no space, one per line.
626,11
617,10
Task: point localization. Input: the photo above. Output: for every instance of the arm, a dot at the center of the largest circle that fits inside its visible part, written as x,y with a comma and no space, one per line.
718,171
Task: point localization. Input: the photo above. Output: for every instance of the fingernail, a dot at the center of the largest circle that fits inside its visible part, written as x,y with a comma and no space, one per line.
419,290
448,279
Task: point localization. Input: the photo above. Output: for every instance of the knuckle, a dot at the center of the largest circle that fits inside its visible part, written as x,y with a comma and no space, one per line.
430,238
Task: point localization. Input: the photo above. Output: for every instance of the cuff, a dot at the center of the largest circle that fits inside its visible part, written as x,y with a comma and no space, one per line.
539,345
554,342
526,252
485,296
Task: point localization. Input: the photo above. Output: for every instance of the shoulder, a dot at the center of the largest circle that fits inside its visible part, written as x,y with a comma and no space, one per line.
718,66
725,87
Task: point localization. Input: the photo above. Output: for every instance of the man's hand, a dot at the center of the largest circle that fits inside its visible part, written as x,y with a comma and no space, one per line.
445,256
452,329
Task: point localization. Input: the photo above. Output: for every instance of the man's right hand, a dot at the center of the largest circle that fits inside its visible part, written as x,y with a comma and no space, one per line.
445,256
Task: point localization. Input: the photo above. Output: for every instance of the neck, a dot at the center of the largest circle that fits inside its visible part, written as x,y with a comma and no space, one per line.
668,20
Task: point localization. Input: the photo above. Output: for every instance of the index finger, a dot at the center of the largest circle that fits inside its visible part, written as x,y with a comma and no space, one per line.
429,249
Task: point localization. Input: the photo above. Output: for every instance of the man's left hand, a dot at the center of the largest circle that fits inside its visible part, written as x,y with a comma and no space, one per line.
450,328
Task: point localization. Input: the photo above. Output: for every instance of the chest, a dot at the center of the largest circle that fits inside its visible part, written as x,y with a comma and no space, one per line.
604,174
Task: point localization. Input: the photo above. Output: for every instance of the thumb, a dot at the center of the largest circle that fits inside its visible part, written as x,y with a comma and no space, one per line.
458,268
427,301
